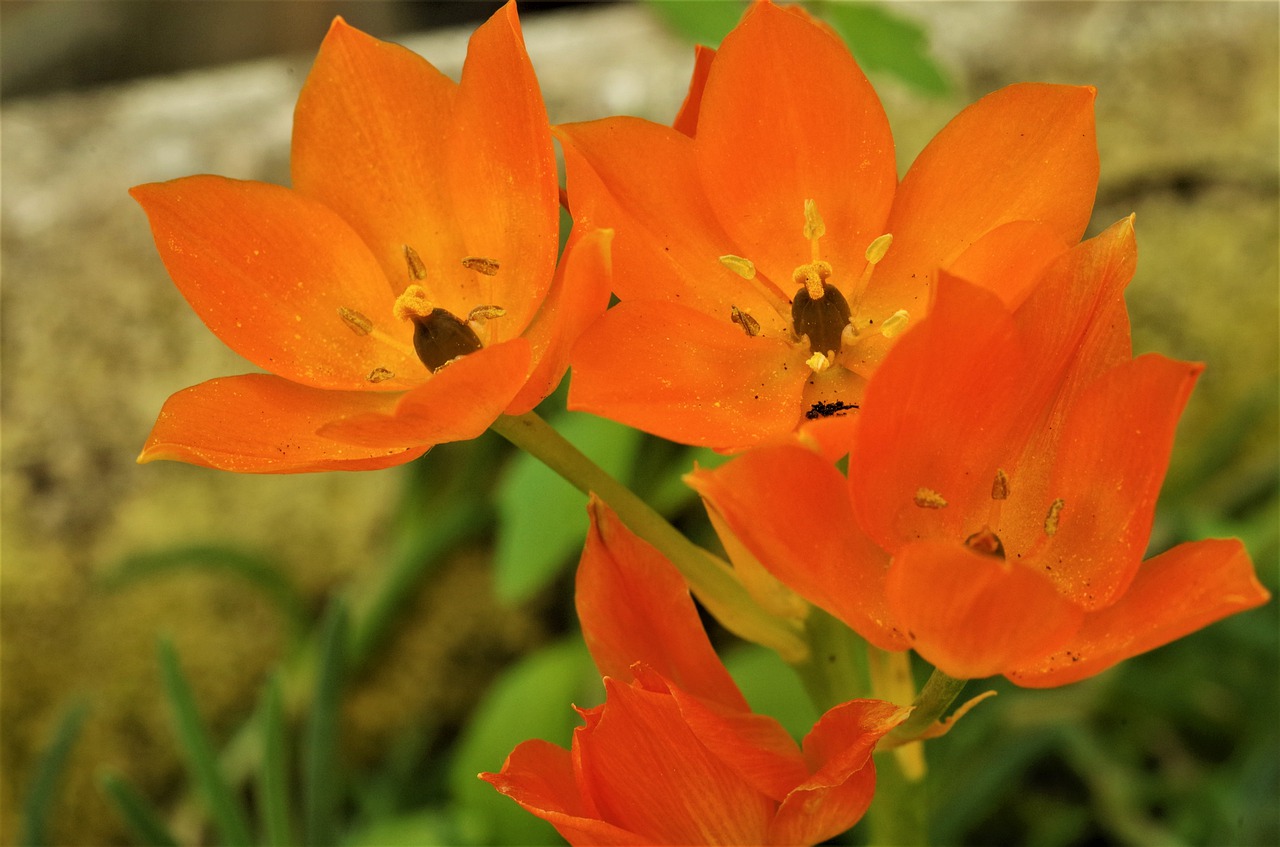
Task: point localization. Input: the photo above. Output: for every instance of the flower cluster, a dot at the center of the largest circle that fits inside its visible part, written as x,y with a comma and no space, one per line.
783,296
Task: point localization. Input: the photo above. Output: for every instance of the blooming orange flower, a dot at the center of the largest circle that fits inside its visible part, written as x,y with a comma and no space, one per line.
401,293
765,250
1001,488
674,756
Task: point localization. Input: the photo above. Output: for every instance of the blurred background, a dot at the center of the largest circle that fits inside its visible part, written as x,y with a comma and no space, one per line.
354,648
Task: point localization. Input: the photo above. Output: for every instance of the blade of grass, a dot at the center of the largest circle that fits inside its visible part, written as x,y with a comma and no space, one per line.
320,754
273,779
48,774
228,817
139,816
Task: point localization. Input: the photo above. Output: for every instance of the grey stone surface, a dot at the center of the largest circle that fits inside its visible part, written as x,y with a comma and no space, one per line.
95,337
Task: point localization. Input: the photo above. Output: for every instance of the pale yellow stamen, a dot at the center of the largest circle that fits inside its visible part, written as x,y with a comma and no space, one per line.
744,268
412,303
877,248
1000,485
1051,519
484,313
417,270
749,325
927,498
379,375
895,323
481,265
818,363
814,229
356,321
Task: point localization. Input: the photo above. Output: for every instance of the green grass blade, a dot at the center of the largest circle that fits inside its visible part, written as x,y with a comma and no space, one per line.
320,754
228,817
48,774
139,816
273,775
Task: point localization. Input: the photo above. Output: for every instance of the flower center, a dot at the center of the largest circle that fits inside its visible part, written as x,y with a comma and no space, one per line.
439,336
986,540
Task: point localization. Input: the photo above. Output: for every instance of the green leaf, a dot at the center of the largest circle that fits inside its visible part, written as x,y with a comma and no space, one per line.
139,816
700,21
257,570
882,41
43,791
273,780
202,762
542,517
771,687
320,774
532,699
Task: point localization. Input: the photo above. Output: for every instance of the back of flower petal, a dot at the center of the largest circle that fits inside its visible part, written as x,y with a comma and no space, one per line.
1174,594
635,607
686,121
258,423
283,281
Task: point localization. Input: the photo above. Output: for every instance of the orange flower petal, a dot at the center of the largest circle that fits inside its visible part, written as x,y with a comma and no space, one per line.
787,116
1010,259
937,421
368,141
259,423
973,615
679,374
270,272
649,774
788,506
639,179
579,294
755,746
540,777
1174,594
635,607
686,121
459,402
1108,469
502,173
1026,152
838,794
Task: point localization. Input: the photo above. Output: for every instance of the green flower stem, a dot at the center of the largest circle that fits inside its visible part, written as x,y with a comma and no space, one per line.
835,671
711,580
898,814
934,699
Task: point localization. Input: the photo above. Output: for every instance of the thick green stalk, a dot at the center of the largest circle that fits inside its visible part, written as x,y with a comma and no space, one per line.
710,579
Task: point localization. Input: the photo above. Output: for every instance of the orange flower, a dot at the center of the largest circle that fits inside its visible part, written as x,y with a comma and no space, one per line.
401,293
772,221
1001,489
674,756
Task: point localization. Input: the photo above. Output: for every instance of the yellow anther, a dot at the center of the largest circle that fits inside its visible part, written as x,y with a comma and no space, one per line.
1000,485
1051,519
412,303
744,268
895,323
818,362
927,498
877,248
749,325
417,270
813,224
484,313
356,321
481,265
379,375
812,276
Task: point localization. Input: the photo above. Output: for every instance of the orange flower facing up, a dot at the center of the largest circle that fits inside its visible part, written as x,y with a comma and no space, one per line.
1001,488
401,294
765,251
675,756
